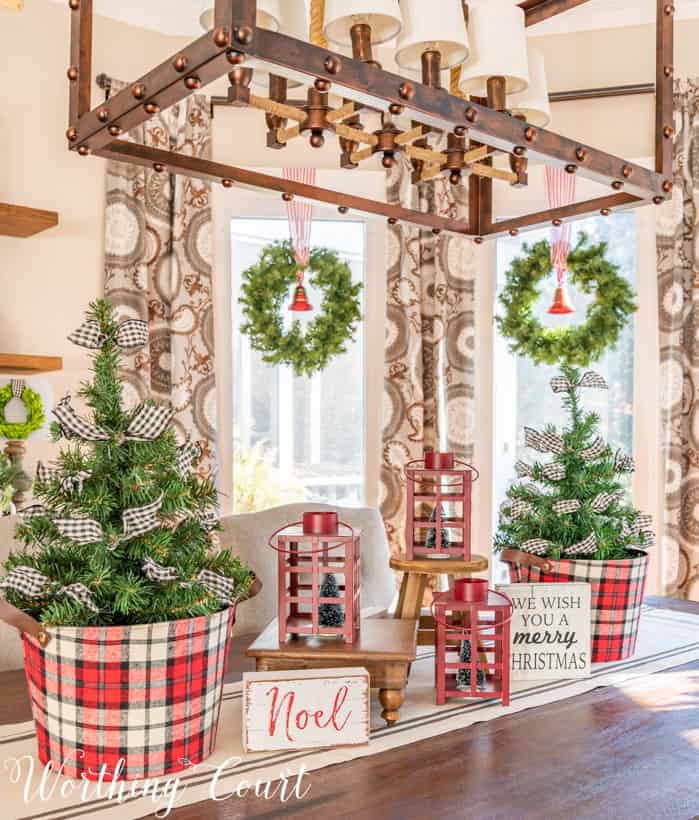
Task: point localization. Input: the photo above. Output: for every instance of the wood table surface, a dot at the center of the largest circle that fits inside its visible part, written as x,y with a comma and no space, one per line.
604,755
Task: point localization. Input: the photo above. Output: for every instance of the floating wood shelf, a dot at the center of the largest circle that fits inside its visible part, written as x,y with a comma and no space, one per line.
17,364
16,220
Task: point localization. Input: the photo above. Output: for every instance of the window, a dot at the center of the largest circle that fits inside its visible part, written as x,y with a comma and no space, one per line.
522,392
297,438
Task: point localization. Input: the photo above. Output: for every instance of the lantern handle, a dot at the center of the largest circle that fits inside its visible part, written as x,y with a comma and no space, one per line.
474,631
459,461
278,548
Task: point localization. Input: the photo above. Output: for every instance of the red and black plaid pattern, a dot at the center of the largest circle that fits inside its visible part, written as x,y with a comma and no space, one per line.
149,695
617,595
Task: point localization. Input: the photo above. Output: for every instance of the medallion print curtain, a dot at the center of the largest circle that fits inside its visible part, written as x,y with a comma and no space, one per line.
678,303
429,353
158,260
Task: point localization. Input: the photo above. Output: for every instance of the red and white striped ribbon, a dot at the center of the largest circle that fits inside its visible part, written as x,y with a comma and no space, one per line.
560,191
300,215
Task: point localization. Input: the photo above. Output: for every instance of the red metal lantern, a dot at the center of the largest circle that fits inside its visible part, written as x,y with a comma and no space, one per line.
312,553
472,658
438,519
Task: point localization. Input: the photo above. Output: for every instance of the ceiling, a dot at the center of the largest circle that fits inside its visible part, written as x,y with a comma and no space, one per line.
181,18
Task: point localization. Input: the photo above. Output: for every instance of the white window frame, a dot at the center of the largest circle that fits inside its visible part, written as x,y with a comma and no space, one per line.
240,203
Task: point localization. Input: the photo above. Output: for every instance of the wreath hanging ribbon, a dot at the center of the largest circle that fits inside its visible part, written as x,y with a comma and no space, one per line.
591,272
17,389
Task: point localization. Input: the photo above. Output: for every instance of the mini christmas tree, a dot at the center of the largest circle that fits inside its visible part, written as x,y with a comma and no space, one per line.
574,506
122,533
330,614
463,676
431,539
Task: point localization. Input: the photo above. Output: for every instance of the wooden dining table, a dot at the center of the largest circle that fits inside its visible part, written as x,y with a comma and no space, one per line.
627,754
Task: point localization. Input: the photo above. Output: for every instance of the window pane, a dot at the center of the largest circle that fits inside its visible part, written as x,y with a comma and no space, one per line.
522,392
307,433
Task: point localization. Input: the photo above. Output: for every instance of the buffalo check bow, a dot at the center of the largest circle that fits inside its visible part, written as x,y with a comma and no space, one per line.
602,500
31,583
157,572
187,455
560,384
552,472
519,508
73,426
148,423
566,506
543,442
69,484
623,463
140,520
597,449
80,530
536,546
587,546
223,588
131,333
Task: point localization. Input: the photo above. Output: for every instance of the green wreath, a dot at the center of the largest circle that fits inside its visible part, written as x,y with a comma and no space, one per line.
265,290
35,413
591,272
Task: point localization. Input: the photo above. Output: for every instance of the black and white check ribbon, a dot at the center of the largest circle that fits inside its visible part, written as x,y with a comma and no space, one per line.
149,422
187,455
595,450
523,469
81,594
73,426
208,519
602,500
26,581
44,474
74,483
131,333
35,511
623,463
566,506
554,472
519,509
560,384
157,572
80,530
543,442
173,521
17,388
536,546
223,588
140,520
587,546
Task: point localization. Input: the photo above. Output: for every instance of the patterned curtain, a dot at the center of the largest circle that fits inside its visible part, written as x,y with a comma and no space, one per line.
158,259
678,303
429,354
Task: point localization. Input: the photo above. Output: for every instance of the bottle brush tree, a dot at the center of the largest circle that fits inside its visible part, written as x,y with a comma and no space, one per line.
122,529
330,614
576,505
463,676
431,540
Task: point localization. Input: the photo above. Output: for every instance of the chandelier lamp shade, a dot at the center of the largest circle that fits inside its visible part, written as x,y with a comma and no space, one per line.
495,109
269,14
432,42
498,64
533,104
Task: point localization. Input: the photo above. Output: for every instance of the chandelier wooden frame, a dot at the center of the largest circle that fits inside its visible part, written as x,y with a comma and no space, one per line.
476,130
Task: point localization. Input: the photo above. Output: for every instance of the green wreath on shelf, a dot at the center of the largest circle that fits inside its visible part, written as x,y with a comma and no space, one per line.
265,292
35,413
590,271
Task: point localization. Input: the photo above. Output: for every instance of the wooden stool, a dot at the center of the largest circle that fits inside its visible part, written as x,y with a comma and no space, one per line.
385,648
416,574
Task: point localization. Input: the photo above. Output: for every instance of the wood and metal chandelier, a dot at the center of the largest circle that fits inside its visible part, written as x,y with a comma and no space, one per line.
479,122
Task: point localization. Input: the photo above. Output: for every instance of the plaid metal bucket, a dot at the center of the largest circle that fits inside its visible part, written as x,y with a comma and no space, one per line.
617,594
141,701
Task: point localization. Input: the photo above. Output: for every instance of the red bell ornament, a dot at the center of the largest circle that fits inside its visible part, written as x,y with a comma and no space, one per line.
300,303
561,304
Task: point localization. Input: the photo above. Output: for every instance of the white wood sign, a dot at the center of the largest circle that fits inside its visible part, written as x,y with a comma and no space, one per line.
305,709
550,631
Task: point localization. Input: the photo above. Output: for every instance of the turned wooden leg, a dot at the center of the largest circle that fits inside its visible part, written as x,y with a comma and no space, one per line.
391,700
412,591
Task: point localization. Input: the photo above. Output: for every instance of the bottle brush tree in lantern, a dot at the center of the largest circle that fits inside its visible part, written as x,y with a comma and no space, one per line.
330,614
463,676
431,539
